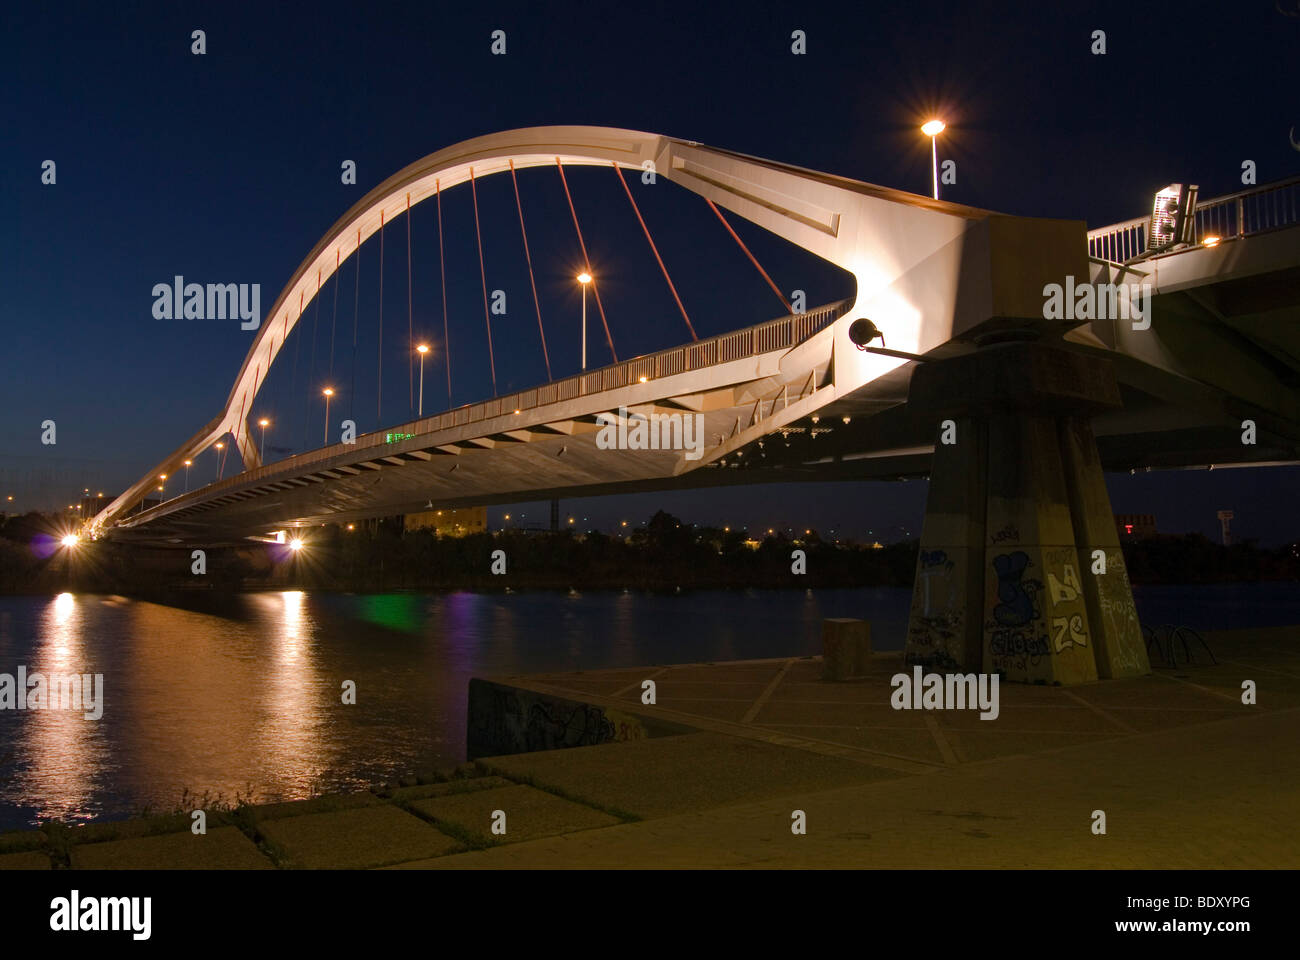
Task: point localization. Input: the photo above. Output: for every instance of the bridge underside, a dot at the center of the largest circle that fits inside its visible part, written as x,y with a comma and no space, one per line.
776,405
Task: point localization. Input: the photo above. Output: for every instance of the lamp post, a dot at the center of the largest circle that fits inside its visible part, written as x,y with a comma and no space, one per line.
327,393
584,278
220,446
261,453
187,475
422,349
932,129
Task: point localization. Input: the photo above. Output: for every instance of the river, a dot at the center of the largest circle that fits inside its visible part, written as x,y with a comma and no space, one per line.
242,695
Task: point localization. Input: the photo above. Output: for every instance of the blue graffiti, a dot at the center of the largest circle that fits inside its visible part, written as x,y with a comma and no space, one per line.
1016,599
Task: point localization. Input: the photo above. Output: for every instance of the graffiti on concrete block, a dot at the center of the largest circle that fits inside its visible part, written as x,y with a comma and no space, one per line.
504,720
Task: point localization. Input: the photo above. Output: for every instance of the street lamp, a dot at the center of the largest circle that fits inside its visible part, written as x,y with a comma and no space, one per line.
327,393
261,453
932,129
220,446
584,278
187,475
422,349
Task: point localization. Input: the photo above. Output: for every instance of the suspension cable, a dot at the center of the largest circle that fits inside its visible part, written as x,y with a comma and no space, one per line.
311,371
442,265
483,276
529,257
775,288
410,314
356,309
334,320
293,380
379,386
586,260
655,250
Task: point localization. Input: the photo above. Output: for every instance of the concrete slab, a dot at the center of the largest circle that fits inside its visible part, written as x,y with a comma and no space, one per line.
529,813
27,860
224,848
403,794
299,808
356,839
1196,803
666,775
20,841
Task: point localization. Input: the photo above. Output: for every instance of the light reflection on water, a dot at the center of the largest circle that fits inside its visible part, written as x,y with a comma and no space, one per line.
244,695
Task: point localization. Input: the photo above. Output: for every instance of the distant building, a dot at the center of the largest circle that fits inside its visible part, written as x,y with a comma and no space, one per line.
450,523
1135,526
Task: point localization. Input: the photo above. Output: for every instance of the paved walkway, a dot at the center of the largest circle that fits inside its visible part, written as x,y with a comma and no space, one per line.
1185,773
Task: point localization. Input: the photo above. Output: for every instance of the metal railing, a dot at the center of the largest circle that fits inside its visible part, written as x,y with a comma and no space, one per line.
775,334
1256,210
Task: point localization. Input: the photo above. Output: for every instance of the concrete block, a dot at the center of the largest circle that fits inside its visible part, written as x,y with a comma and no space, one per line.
224,848
846,647
355,839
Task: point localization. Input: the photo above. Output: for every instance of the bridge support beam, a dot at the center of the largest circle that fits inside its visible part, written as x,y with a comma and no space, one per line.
247,448
1020,570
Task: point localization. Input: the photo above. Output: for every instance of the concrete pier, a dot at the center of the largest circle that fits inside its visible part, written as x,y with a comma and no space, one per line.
1020,571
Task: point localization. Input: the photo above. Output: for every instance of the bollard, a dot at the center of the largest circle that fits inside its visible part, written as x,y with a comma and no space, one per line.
846,648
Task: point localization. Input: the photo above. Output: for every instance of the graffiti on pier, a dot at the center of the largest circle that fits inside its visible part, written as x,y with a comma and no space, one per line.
1068,626
1016,595
1124,642
935,558
1008,532
1016,642
933,640
935,627
1017,649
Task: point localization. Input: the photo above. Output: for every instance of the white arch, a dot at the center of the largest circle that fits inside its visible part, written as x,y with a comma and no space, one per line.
876,233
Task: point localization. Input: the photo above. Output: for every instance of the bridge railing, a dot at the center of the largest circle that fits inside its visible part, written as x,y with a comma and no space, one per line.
775,334
1248,212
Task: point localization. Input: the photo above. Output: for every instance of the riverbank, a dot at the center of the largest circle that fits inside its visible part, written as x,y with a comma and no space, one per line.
1185,773
663,554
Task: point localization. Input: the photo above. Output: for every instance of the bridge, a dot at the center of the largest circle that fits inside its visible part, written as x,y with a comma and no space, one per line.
1011,408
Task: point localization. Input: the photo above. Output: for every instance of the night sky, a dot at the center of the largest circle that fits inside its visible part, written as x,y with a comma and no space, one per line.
225,168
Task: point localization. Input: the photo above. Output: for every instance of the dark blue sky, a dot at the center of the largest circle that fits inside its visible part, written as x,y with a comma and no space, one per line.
225,168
